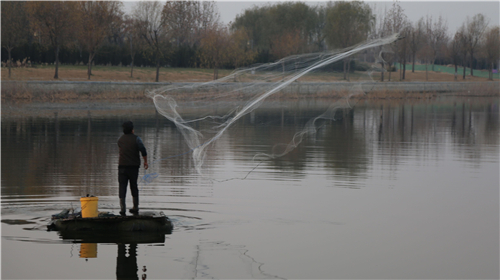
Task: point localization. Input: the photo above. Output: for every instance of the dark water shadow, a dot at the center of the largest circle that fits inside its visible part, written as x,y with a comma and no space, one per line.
126,260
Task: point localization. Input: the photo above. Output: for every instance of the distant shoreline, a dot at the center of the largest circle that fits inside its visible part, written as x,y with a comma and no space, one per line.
79,91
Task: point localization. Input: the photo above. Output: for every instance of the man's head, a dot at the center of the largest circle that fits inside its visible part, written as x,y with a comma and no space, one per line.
128,127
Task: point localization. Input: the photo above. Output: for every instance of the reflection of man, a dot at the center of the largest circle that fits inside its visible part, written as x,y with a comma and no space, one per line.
128,165
126,267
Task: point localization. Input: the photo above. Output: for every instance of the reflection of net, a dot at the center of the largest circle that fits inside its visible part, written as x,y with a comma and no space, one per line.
203,112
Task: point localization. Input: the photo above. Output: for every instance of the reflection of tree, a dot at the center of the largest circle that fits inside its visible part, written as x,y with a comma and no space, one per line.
80,154
345,148
272,132
413,127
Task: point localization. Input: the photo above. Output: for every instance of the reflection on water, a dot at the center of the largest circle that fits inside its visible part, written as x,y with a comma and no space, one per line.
390,189
126,260
52,155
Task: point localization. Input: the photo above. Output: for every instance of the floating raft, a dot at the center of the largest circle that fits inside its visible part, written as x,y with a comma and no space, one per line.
106,222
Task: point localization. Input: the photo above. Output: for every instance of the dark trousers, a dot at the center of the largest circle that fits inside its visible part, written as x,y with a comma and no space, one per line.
126,175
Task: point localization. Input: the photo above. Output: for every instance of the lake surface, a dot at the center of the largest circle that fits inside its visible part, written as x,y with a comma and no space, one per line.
391,189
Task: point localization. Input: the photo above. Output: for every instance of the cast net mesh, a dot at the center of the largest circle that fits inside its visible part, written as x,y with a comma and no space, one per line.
203,112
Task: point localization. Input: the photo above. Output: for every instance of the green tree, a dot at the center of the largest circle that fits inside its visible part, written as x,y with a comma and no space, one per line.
14,27
347,24
256,22
293,17
265,24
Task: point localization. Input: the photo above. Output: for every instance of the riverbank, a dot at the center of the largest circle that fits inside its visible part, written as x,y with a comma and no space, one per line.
71,91
78,73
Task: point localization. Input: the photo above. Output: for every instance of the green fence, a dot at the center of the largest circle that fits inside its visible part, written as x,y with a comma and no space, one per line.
451,70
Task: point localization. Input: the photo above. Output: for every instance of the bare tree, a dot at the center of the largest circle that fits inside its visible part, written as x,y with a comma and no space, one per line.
416,40
426,53
475,29
207,16
454,50
395,21
96,21
133,39
318,32
491,48
180,20
377,32
187,22
404,49
436,32
55,20
14,27
462,39
152,29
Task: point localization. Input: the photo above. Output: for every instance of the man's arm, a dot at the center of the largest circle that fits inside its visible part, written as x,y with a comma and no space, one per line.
142,149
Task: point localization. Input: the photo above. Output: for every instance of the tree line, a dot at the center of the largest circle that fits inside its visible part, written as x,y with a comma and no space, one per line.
191,34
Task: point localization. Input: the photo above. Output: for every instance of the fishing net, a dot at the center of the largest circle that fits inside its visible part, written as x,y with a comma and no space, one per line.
203,112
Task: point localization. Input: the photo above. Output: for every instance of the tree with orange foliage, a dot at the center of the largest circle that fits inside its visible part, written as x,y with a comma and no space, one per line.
239,49
214,47
287,44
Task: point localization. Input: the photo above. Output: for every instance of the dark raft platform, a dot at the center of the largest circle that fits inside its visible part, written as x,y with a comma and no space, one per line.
105,222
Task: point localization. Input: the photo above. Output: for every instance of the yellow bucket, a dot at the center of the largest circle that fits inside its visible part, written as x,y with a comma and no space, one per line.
89,207
88,250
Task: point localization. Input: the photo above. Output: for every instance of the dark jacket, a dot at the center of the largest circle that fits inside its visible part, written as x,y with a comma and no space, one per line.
130,145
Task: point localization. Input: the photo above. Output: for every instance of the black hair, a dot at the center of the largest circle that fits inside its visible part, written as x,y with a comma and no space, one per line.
128,126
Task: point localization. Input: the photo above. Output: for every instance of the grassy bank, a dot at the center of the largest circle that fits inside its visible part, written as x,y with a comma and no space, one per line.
451,70
109,73
147,74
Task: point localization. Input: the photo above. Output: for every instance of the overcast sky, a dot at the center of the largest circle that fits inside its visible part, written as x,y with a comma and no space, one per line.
455,12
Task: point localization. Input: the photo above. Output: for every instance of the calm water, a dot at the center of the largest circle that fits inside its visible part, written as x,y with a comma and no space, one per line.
392,190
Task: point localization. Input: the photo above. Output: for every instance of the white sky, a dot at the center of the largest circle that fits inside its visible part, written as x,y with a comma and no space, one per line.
455,12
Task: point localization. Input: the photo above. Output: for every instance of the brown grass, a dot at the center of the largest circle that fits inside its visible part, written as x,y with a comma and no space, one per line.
101,73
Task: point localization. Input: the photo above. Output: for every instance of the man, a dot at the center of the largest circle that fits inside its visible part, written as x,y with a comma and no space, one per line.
128,165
